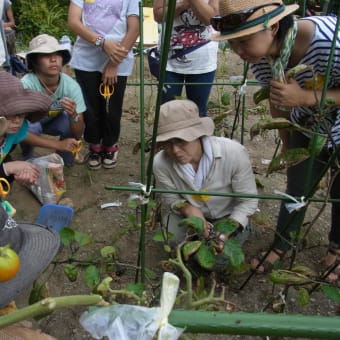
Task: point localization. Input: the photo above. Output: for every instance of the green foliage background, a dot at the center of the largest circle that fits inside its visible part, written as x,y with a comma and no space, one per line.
34,17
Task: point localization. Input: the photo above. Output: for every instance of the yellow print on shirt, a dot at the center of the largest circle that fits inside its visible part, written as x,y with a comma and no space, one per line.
201,198
316,83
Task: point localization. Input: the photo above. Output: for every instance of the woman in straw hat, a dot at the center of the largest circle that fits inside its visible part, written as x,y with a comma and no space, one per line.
36,246
265,34
192,159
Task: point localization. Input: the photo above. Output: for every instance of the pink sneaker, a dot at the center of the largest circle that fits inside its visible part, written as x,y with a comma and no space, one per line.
110,155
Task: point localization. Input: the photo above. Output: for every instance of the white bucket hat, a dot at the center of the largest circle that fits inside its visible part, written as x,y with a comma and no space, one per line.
46,44
36,246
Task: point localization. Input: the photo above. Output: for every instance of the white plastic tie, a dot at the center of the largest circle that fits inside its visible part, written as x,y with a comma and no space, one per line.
243,88
297,205
144,197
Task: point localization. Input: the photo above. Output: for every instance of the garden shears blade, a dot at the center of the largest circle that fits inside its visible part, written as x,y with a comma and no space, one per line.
4,187
106,91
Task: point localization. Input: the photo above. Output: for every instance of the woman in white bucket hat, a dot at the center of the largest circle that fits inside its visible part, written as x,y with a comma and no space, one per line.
265,34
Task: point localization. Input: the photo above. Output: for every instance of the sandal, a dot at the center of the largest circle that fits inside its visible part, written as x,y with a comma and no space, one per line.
331,270
266,265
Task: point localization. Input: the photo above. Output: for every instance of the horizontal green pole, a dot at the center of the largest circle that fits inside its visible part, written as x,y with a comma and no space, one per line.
230,83
226,194
260,324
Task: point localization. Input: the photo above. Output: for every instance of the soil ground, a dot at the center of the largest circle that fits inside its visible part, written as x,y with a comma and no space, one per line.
87,191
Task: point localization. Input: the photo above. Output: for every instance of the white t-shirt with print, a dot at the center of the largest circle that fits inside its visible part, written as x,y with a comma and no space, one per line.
188,31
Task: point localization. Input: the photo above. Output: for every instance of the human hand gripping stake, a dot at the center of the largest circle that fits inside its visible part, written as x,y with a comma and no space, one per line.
290,94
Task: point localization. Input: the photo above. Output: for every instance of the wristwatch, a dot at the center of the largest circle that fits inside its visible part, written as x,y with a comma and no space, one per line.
99,41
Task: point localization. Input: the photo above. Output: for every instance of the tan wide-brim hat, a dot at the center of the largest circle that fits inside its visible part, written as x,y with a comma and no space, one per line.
46,44
15,99
261,19
180,118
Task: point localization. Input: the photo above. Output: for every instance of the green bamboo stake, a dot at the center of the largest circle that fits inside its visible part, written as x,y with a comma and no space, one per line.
257,324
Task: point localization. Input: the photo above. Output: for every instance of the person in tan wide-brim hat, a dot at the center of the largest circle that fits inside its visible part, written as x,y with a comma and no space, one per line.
191,158
267,35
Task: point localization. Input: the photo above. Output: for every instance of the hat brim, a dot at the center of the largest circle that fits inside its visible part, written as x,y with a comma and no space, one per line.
205,128
65,54
25,101
39,247
289,9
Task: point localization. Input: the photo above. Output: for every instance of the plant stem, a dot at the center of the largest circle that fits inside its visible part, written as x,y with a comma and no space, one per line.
49,305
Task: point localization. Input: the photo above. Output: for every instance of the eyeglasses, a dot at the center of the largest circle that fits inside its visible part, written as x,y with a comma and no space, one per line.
172,142
231,21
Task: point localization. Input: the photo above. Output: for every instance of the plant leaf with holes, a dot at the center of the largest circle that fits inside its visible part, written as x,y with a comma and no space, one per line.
270,124
288,158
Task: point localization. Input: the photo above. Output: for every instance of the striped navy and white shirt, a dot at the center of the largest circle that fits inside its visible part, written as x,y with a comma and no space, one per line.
317,56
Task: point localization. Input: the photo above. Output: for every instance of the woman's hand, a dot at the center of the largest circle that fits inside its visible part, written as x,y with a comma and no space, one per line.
115,51
23,172
290,94
110,74
68,144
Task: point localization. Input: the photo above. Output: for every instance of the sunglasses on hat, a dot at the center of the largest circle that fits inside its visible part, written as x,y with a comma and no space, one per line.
233,20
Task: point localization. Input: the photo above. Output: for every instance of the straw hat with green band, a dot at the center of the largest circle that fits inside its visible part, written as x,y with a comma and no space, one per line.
253,16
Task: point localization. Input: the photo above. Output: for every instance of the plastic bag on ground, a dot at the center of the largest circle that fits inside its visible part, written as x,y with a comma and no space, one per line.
51,183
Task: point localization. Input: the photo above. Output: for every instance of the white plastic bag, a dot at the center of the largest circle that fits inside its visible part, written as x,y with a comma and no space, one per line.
126,322
51,183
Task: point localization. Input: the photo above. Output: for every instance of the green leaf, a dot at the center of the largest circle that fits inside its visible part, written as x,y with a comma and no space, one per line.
303,297
286,277
190,248
194,223
158,236
71,272
108,251
137,288
225,98
104,286
92,276
331,292
233,250
150,274
318,145
205,257
225,226
261,94
66,236
82,238
167,248
132,204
